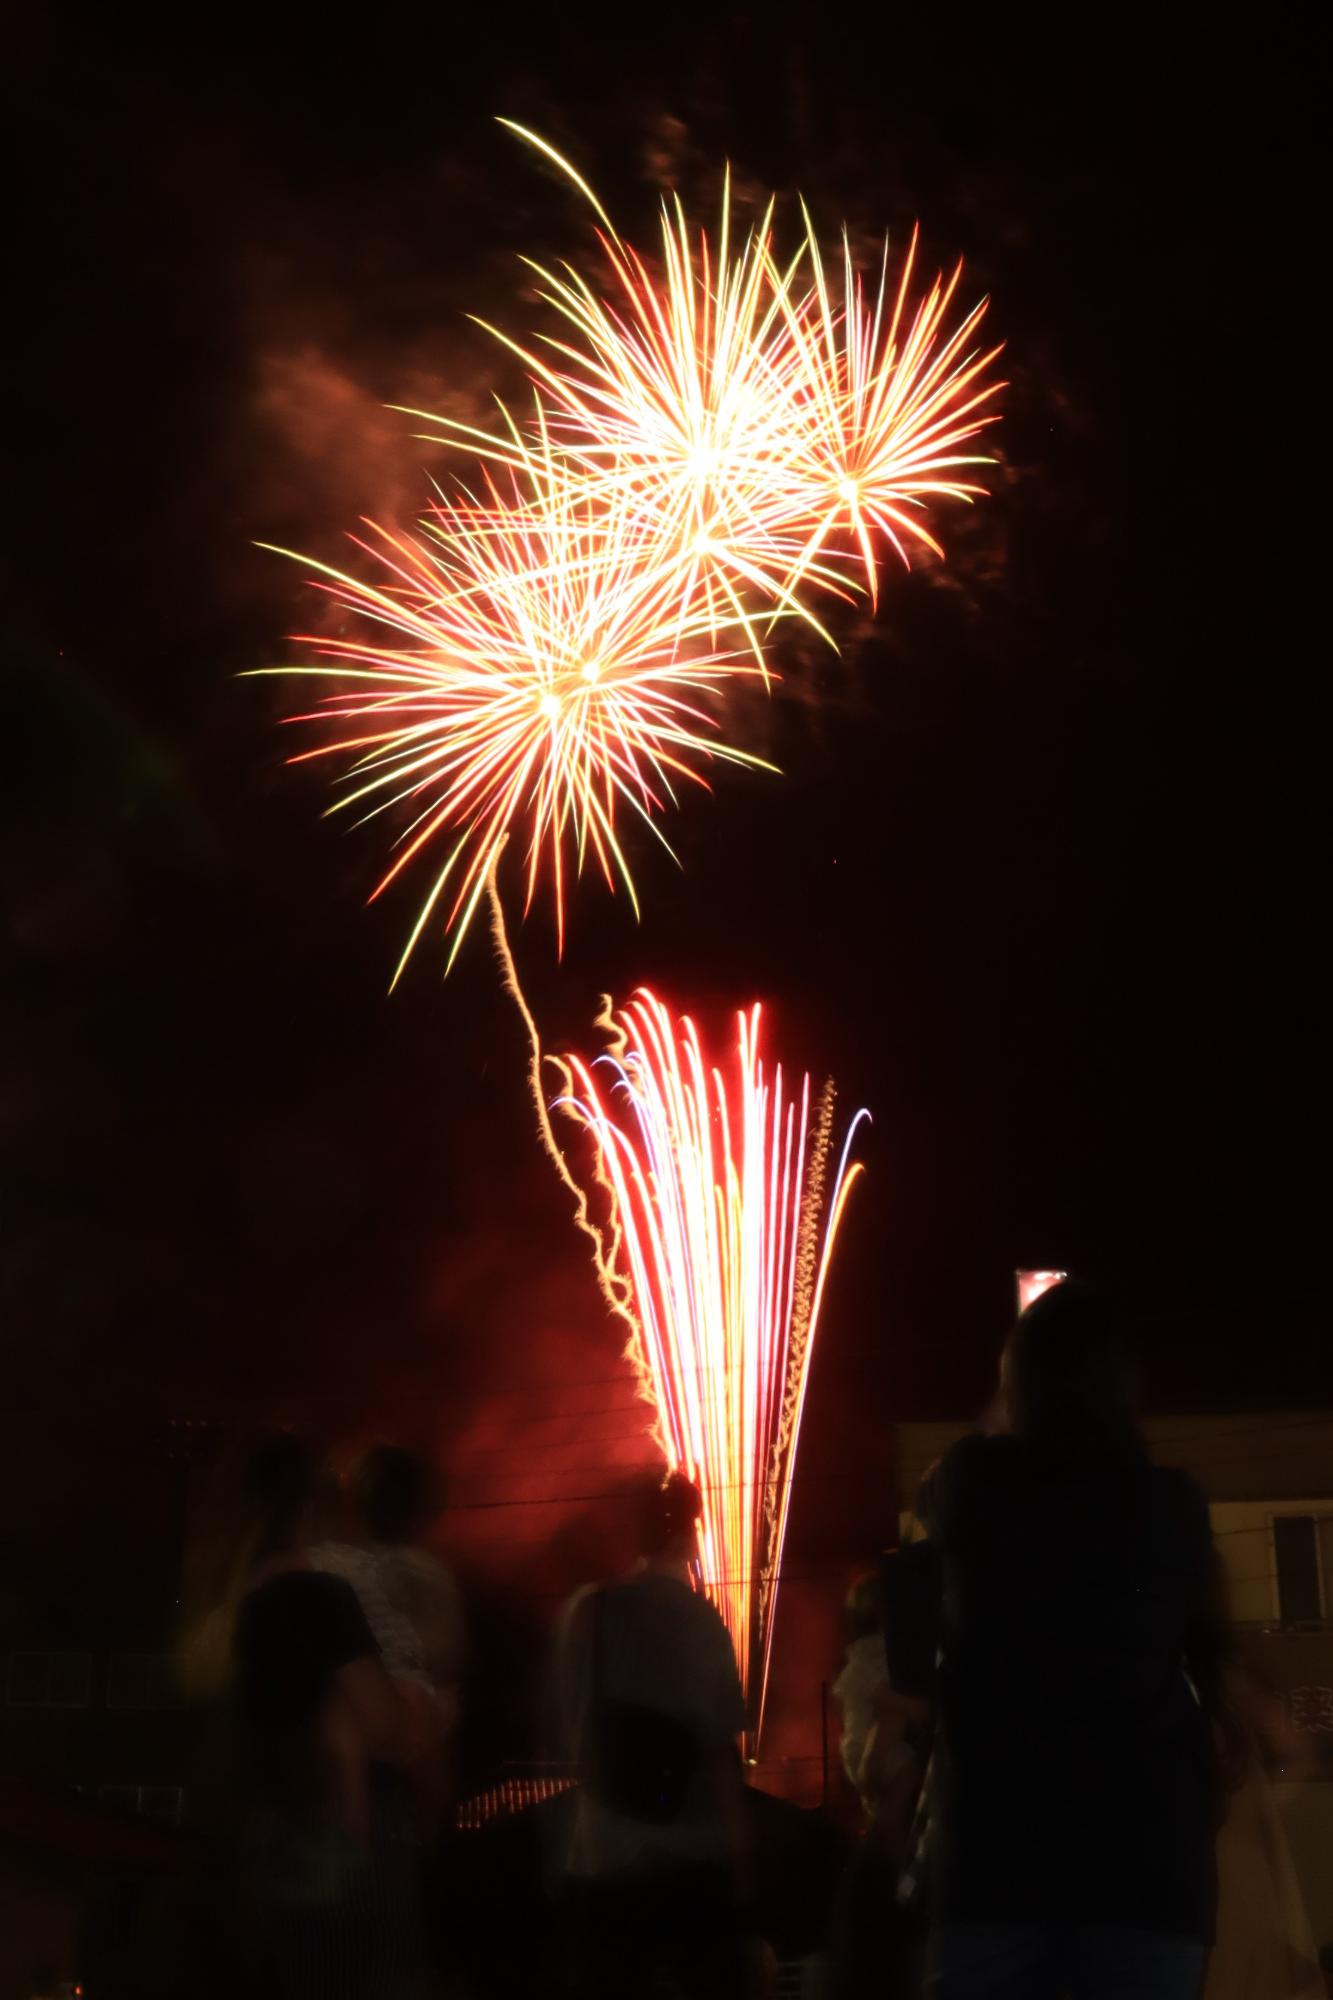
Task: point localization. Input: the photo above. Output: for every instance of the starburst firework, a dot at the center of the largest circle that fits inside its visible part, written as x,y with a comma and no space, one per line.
889,396
769,421
524,666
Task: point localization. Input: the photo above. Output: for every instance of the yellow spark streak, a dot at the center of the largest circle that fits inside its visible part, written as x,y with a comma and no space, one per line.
545,146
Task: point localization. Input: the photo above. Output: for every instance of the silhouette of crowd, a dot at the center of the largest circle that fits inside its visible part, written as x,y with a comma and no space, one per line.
1056,1772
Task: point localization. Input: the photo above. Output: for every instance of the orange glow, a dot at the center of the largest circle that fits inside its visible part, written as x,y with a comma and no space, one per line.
1031,1285
722,1227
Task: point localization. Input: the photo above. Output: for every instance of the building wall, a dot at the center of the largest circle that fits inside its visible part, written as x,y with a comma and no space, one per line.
1243,1532
1279,1455
96,1747
1307,1815
1276,1455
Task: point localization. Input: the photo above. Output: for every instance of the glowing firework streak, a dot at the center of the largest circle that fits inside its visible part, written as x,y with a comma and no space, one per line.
523,666
724,1227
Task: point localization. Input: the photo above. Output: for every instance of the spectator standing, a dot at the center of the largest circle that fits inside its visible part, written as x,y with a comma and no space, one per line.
883,1748
651,1709
1073,1798
398,1499
410,1599
1265,1948
882,1739
329,1902
413,1606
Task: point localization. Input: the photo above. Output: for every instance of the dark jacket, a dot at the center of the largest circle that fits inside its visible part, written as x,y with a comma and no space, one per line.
1074,1768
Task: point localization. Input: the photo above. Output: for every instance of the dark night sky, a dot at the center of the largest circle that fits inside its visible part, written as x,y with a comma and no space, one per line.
1042,884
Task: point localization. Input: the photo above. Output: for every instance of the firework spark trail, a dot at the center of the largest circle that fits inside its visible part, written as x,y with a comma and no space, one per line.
605,1239
523,664
813,1258
791,1400
716,1181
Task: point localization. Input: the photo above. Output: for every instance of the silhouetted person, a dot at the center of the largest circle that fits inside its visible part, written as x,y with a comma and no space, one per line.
413,1606
651,1706
1265,1947
397,1498
330,1900
881,1740
1072,1801
883,1750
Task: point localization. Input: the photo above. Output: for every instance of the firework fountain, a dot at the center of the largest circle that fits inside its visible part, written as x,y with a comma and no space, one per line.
717,1177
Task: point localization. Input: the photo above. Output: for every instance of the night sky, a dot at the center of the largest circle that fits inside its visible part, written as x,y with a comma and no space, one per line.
1043,882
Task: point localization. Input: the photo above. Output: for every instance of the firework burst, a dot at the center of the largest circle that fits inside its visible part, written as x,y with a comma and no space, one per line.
771,423
889,396
716,437
523,665
676,397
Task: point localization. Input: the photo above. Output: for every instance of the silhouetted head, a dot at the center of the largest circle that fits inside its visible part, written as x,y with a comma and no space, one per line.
277,1485
1068,1381
924,1505
259,1512
671,1508
863,1609
397,1494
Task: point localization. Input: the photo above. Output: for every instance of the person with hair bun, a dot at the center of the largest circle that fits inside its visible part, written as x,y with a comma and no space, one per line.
651,1708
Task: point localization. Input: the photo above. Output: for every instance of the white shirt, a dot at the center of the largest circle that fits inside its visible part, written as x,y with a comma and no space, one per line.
411,1604
649,1640
857,1690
